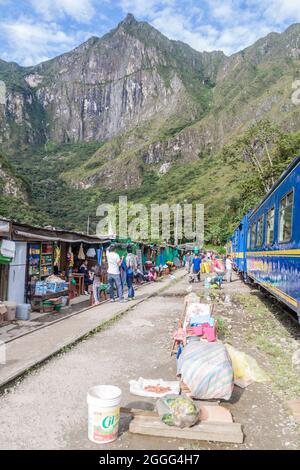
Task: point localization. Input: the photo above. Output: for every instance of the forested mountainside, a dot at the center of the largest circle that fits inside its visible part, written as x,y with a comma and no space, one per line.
138,114
15,195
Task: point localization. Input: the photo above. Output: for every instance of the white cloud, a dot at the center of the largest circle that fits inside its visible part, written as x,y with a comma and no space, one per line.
242,36
278,11
228,25
80,10
179,27
30,43
143,8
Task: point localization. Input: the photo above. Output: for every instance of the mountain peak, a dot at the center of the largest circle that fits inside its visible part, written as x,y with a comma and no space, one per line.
129,20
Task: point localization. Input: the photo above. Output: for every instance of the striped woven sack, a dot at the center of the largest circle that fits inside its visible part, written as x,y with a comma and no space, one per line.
206,369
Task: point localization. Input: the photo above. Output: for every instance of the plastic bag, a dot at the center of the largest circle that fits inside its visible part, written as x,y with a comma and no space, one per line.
177,411
245,367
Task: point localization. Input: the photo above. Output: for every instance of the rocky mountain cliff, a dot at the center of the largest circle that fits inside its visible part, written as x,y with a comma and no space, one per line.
105,86
253,84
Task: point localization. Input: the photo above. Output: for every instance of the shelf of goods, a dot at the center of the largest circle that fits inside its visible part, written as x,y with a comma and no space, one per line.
46,268
34,256
40,261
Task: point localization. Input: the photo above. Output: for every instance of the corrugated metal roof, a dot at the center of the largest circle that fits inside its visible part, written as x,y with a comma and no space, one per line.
28,232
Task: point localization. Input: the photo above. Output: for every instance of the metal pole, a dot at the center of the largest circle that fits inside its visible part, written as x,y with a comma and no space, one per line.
176,226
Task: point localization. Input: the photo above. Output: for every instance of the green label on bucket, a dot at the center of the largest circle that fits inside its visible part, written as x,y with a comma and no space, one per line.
109,422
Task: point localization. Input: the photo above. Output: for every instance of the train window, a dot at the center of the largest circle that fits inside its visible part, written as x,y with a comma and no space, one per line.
286,217
253,234
249,239
270,226
260,226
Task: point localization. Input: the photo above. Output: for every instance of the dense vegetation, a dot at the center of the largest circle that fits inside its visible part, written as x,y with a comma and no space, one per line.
228,184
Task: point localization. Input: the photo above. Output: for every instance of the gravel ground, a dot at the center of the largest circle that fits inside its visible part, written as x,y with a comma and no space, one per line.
47,410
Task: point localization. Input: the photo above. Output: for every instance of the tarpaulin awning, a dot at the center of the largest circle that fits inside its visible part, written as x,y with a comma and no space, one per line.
7,248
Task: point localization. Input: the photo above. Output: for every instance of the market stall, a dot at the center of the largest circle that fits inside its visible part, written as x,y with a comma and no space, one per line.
51,258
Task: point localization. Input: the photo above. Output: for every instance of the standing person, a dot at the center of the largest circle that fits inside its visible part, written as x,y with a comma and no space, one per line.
197,265
87,280
131,268
113,273
187,261
96,284
228,267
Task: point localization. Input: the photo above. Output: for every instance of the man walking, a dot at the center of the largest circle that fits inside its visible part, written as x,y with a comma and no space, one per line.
113,273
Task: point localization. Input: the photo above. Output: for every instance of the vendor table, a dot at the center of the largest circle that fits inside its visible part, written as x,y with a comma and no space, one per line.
79,278
37,300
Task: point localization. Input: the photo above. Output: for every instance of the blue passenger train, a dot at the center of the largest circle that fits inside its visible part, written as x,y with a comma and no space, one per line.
266,245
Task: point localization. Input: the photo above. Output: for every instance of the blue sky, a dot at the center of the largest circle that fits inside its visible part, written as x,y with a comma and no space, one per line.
35,30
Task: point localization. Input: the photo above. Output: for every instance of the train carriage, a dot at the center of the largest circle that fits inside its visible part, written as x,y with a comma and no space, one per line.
239,246
266,245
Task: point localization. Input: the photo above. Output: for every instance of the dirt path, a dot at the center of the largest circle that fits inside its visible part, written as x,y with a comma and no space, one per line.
48,408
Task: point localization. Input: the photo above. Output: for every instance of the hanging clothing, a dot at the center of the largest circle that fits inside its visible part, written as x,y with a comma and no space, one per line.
70,257
99,256
56,255
91,253
81,254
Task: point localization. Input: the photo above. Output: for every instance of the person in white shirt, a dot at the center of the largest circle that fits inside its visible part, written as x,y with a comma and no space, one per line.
228,267
113,273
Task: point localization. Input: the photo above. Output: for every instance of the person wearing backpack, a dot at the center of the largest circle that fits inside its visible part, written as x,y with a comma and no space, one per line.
131,267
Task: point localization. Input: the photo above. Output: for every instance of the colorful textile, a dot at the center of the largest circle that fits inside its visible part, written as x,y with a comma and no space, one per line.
206,331
99,252
205,267
206,369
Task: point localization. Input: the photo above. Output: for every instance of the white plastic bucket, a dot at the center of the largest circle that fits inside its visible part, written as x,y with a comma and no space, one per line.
23,312
103,413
